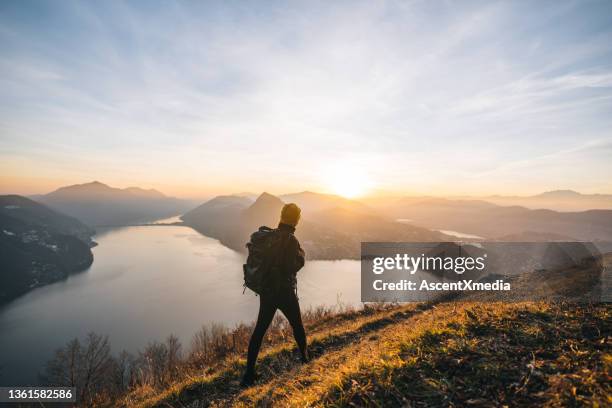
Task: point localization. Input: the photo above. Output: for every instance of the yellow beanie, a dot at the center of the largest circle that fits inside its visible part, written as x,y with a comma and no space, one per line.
290,214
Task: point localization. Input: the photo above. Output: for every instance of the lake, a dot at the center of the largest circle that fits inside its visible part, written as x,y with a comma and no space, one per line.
147,282
461,234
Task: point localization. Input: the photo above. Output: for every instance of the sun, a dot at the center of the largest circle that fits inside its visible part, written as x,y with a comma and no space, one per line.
349,181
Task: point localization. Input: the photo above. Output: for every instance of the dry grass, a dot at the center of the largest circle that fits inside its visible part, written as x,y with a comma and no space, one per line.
514,355
219,370
450,354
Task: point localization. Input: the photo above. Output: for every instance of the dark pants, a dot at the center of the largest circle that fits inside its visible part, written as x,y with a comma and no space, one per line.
287,302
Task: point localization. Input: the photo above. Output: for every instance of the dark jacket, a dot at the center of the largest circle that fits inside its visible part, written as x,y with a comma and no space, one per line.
291,256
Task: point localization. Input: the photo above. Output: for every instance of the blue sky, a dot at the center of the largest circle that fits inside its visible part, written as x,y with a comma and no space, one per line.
198,98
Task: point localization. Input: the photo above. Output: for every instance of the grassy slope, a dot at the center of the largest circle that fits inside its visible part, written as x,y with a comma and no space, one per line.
450,354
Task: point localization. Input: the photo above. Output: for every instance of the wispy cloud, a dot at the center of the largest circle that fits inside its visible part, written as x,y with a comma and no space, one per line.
241,95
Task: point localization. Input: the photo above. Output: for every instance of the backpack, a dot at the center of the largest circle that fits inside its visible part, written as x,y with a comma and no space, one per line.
261,269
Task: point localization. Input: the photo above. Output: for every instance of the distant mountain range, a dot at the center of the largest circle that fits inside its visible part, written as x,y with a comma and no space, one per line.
332,227
38,246
98,204
559,200
492,221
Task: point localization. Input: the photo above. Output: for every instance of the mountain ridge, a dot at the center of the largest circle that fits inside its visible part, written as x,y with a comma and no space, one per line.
98,204
560,200
323,234
492,221
99,187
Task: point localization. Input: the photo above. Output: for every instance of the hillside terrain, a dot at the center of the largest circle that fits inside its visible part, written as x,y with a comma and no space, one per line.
445,354
331,227
38,246
98,204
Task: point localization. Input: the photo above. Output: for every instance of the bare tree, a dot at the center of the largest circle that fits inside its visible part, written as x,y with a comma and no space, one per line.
123,372
63,369
201,349
97,365
87,366
174,358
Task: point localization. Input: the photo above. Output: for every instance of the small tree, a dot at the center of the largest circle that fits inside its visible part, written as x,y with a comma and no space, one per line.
88,366
159,363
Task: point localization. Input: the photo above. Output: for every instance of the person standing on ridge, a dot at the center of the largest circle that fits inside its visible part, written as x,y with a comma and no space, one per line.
284,257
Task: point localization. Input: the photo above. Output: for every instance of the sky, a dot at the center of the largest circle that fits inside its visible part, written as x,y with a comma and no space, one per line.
374,97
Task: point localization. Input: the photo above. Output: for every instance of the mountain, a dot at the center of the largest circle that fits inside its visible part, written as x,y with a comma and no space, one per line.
559,200
559,194
556,200
264,211
141,192
335,232
247,194
493,221
98,204
217,216
38,246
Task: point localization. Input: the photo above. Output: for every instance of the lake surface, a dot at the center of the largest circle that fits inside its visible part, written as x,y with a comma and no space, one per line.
460,234
147,282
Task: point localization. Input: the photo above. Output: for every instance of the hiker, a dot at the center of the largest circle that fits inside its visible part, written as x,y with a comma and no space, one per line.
279,287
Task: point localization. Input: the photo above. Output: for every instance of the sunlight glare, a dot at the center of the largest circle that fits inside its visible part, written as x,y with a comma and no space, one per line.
347,180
